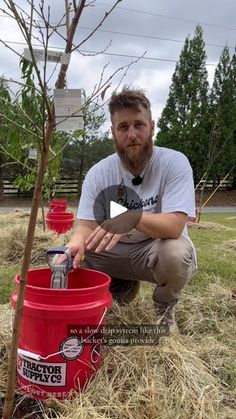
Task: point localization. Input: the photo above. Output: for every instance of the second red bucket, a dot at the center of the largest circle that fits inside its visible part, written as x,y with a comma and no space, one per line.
58,205
52,357
60,222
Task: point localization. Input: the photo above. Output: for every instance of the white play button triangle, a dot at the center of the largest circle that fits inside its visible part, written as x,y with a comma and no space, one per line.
116,209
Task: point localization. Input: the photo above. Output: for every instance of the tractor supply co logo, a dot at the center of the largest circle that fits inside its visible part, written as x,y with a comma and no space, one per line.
52,374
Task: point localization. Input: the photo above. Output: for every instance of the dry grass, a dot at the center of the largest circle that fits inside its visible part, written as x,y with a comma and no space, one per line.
230,244
5,340
186,376
206,225
189,375
13,233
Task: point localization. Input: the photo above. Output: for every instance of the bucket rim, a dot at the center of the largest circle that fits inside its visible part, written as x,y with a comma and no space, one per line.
67,290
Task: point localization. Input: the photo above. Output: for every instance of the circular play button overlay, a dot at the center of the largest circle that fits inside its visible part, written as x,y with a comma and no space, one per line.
117,209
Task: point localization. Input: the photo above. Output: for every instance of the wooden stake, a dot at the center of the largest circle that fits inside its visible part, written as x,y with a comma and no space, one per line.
11,383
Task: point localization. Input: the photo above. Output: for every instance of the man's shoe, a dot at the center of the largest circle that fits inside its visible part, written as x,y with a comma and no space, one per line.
166,317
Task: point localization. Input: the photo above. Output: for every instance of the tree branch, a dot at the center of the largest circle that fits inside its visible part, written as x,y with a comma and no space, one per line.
16,160
69,43
18,125
16,105
98,26
23,27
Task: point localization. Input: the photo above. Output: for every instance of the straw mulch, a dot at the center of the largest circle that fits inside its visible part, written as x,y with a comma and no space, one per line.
232,217
188,375
13,234
206,225
231,244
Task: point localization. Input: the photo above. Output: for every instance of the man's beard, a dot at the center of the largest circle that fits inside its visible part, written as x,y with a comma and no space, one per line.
135,160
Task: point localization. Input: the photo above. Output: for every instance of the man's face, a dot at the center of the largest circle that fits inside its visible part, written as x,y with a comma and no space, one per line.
132,132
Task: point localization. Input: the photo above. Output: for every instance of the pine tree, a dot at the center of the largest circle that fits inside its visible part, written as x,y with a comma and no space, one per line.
184,121
223,113
233,80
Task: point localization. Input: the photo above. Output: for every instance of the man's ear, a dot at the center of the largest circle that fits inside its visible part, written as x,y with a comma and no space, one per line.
112,130
153,127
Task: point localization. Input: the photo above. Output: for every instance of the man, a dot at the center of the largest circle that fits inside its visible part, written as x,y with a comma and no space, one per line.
151,242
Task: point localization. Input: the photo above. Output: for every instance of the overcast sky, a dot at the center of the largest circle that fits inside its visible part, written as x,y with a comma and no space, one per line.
157,28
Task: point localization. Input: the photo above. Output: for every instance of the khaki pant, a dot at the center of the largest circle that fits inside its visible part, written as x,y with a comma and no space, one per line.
168,263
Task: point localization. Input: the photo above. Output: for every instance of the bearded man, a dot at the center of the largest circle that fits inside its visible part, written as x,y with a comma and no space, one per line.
149,242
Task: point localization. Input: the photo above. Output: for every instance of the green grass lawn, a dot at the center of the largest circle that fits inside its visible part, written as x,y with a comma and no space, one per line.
216,259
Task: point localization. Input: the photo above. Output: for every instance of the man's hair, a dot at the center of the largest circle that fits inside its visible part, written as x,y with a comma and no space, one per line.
128,98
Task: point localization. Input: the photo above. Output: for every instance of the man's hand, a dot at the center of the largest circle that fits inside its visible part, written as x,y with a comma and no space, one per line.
77,250
110,231
101,240
77,242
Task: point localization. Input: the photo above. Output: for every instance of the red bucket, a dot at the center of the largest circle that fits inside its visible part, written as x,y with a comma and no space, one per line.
194,219
60,222
58,205
52,358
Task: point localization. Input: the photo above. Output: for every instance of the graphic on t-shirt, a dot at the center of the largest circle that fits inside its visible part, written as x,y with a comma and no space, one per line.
167,186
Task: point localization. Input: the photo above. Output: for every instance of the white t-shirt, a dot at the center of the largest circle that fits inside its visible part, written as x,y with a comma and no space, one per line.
167,186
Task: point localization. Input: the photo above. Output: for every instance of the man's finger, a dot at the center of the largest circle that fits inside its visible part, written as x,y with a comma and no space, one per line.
58,259
104,242
92,235
113,241
96,239
77,259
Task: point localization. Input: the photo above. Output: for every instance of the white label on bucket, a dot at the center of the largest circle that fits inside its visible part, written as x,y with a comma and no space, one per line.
46,374
71,348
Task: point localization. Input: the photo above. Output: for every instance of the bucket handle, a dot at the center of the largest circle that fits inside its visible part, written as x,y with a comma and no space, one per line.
11,319
38,357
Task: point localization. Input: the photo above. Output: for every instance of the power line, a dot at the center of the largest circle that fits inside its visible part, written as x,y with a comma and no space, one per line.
143,36
162,16
137,56
150,37
168,17
113,54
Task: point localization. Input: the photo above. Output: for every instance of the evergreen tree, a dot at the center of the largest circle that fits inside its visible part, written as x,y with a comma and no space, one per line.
184,121
223,114
233,78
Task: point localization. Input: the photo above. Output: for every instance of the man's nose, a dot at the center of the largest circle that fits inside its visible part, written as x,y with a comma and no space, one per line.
132,132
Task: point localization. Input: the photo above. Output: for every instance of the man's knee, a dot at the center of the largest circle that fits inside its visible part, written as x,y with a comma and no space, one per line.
173,252
172,268
171,256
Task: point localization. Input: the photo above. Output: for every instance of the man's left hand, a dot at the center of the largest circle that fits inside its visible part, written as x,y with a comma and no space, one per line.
101,240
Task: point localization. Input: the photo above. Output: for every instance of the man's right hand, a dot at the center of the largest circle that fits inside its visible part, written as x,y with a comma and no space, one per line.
77,250
77,242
